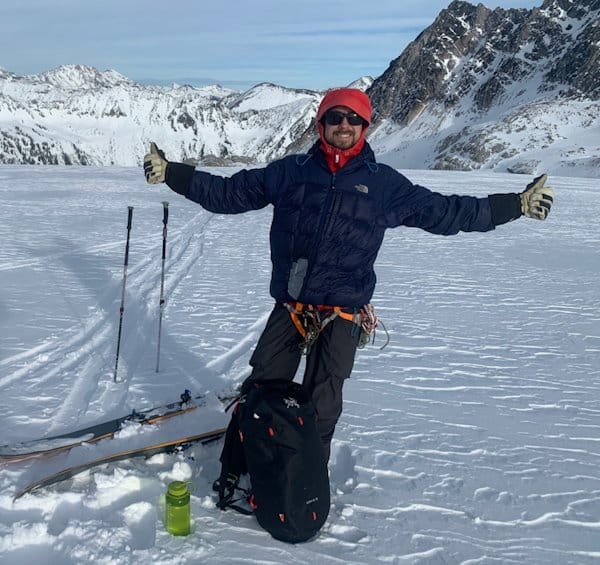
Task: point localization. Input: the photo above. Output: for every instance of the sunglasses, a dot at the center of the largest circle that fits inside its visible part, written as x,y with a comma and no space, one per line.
335,118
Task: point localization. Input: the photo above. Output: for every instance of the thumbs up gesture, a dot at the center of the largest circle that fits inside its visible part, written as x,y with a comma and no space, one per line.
155,165
536,199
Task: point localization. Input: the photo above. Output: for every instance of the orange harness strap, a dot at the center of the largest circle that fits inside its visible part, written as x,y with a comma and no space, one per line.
294,311
298,308
345,315
310,321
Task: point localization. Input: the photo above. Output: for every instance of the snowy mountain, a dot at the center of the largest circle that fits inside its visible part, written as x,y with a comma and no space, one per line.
509,90
503,89
78,115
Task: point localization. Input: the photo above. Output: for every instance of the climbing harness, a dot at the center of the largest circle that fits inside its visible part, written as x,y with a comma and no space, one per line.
310,320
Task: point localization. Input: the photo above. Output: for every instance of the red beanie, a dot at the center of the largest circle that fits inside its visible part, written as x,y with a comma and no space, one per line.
352,98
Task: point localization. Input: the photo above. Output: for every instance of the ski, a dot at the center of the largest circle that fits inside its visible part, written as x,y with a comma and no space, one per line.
147,451
44,447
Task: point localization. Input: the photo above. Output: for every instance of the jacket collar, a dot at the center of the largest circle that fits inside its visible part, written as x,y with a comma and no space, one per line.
364,154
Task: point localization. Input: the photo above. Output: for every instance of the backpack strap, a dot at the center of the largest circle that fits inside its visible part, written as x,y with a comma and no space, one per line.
233,462
227,491
233,465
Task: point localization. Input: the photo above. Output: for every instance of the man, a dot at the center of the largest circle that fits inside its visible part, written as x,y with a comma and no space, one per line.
331,208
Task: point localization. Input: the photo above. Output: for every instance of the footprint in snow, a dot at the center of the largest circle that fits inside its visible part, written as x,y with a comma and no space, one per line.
343,474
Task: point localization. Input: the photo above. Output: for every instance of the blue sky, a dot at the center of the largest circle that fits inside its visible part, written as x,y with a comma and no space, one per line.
311,44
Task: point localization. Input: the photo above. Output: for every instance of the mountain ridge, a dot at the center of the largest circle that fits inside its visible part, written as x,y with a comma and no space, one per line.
503,89
510,90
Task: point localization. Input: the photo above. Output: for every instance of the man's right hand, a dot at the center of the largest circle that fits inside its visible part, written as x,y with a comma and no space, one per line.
155,165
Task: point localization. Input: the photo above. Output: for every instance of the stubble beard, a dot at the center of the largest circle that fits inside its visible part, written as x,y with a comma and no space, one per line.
341,140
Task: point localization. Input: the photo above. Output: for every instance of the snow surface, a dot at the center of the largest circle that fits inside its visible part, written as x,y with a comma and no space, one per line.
473,437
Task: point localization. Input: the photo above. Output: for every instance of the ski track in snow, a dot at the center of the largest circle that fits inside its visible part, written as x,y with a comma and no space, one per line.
85,351
471,438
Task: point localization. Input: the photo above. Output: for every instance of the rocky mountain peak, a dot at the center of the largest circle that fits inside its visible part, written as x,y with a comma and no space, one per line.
474,49
83,76
478,88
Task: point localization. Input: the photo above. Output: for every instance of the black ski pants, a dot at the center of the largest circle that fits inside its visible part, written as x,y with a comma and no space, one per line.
328,363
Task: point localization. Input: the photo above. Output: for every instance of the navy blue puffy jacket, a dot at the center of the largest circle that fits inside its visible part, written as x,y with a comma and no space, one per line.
327,229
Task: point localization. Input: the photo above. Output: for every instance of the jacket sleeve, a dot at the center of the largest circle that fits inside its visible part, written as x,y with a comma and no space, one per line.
245,190
506,207
411,205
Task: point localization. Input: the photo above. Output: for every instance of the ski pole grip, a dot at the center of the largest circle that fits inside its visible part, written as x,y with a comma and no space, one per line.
129,216
165,212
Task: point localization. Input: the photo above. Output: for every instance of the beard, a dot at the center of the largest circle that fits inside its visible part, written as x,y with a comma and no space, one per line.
342,139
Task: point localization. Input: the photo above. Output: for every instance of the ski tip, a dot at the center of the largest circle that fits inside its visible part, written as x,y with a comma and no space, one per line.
23,492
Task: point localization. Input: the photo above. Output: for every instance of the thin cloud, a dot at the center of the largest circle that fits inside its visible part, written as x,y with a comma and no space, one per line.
308,44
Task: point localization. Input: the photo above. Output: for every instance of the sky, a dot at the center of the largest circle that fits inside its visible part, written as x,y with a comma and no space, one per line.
309,44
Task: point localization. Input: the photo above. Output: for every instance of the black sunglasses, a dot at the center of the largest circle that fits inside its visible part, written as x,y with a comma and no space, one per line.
335,118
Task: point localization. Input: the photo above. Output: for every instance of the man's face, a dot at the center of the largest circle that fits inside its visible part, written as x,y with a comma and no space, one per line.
343,136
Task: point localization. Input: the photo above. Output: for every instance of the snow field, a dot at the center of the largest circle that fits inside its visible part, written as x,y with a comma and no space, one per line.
471,438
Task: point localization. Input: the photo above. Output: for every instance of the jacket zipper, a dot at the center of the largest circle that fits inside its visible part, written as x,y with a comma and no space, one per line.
327,211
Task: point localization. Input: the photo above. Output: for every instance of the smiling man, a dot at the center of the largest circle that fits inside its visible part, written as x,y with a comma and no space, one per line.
331,209
342,128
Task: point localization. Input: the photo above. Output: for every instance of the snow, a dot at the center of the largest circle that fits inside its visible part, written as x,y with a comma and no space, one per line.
562,141
267,96
79,115
81,76
471,438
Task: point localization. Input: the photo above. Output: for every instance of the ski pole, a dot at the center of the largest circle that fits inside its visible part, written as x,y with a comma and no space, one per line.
122,309
162,279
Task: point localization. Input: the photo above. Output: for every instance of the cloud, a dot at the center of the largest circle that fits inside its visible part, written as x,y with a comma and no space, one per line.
308,44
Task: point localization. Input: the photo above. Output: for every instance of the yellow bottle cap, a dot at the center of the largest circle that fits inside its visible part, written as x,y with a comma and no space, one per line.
178,488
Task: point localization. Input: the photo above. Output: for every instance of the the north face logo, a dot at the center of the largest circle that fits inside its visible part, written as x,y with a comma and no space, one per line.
362,188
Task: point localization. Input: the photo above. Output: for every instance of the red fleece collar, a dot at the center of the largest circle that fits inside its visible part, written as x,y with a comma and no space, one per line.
337,158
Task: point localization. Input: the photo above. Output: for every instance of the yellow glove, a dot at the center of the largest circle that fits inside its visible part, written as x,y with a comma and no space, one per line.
536,199
155,165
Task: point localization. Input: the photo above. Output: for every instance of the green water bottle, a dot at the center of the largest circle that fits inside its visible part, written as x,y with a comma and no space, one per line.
177,512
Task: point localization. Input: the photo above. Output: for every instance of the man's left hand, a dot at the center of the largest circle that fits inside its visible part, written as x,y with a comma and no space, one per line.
536,199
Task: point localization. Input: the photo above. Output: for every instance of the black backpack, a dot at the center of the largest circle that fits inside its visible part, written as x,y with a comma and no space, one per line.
273,437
